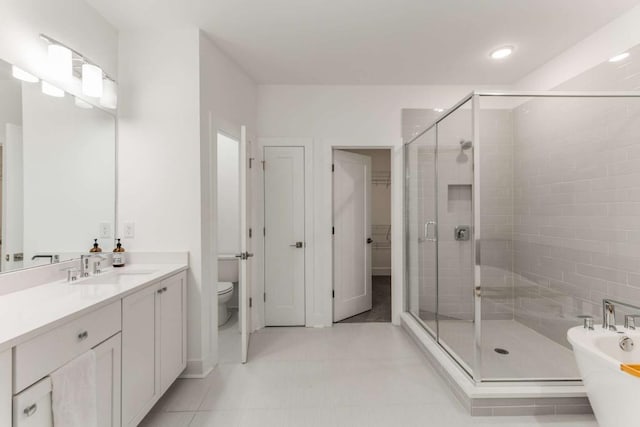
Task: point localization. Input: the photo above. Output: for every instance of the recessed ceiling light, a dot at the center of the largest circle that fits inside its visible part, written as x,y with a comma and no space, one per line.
502,52
438,110
619,57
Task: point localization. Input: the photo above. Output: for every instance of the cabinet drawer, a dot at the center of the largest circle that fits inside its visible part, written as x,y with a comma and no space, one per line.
45,353
32,407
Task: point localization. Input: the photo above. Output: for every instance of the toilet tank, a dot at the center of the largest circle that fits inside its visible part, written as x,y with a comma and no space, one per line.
228,269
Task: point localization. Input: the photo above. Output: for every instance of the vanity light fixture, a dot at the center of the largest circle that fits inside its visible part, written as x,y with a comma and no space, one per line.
60,61
82,104
502,52
51,90
95,82
92,80
619,57
21,74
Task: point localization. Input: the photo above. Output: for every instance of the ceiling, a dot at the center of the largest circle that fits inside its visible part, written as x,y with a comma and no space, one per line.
378,41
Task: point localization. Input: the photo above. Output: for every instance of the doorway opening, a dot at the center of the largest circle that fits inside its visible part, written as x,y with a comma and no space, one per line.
361,235
228,218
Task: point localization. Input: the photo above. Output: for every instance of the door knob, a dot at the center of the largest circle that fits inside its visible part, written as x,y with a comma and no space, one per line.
297,245
369,240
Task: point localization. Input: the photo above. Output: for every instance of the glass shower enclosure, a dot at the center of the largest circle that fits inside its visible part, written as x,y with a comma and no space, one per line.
518,209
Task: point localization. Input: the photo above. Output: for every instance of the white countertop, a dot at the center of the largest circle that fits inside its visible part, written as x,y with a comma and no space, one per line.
30,312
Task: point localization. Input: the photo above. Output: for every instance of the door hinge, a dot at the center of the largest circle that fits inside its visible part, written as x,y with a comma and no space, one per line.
333,168
264,231
263,163
333,230
251,159
250,232
264,297
333,293
250,302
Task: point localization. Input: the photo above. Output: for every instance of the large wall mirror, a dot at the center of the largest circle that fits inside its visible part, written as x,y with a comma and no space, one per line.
58,175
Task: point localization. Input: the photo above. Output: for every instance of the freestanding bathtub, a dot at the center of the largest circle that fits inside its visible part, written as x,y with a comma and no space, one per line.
610,374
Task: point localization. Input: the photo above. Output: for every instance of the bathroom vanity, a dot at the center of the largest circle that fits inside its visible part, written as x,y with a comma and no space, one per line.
133,318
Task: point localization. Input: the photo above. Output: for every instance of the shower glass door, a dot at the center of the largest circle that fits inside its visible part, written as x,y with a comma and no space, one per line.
420,161
456,328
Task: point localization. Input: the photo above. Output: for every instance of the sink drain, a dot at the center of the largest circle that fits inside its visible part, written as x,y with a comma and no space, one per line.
501,351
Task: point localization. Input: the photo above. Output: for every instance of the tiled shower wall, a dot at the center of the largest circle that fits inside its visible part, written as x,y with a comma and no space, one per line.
576,231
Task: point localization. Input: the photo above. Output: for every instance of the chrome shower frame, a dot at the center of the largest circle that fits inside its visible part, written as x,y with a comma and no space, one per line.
476,238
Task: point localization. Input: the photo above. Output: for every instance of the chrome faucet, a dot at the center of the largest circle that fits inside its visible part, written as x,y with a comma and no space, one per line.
84,263
608,315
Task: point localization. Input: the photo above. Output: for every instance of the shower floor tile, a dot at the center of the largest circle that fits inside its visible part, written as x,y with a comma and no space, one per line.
530,355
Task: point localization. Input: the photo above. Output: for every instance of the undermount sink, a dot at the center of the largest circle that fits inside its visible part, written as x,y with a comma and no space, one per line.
116,277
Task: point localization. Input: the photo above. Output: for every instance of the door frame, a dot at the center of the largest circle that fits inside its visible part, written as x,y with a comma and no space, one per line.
259,199
393,232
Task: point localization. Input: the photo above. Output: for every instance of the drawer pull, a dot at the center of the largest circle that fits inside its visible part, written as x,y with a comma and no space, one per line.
161,290
83,336
30,410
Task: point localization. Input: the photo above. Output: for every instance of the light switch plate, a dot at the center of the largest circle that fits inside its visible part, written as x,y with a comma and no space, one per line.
105,230
129,230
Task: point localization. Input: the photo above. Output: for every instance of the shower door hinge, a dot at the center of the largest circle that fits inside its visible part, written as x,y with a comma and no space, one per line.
264,231
251,159
333,168
264,297
333,230
250,302
250,232
333,293
263,162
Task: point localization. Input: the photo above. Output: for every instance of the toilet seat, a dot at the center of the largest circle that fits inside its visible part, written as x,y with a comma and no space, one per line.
225,288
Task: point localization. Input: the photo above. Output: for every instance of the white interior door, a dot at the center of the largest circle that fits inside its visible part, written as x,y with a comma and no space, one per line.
12,198
352,234
246,254
284,239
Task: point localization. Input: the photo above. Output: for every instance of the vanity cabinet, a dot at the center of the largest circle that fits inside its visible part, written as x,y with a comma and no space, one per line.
35,359
5,388
108,382
153,344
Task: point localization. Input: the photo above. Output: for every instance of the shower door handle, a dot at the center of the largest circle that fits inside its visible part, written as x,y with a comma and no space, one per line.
426,231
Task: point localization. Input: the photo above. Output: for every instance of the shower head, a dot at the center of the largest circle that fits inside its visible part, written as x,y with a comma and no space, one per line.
465,145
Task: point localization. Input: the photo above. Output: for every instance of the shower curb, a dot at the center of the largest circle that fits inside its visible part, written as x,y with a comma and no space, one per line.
497,400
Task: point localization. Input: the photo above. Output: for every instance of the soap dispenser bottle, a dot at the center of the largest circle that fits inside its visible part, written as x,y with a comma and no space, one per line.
96,247
118,255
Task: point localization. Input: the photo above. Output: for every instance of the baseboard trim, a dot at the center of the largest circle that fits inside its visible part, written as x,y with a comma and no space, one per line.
196,369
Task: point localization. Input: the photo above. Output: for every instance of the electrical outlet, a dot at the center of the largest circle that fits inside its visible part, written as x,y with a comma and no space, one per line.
105,230
129,230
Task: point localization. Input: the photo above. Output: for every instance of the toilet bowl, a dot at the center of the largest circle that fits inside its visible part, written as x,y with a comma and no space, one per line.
225,291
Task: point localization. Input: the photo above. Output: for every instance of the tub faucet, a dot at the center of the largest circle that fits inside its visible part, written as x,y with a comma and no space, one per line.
608,315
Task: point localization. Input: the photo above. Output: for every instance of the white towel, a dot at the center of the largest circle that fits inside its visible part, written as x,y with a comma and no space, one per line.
74,393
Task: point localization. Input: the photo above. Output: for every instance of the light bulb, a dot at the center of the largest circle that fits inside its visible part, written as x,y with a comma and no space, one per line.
51,90
21,74
92,80
80,103
502,53
109,97
61,62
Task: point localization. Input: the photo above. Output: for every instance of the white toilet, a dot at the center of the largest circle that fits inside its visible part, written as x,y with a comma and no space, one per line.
227,276
225,292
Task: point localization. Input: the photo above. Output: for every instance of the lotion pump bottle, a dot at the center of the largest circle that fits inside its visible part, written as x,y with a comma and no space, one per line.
118,255
96,247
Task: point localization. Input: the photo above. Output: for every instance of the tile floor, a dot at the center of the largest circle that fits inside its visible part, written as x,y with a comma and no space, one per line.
349,375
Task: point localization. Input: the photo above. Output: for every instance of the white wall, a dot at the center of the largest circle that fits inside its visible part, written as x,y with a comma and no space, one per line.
10,105
347,116
159,161
228,195
72,22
